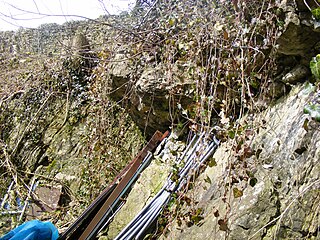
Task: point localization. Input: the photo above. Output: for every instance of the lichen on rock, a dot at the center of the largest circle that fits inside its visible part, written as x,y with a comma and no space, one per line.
283,201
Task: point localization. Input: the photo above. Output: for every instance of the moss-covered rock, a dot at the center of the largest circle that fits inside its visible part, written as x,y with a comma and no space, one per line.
56,123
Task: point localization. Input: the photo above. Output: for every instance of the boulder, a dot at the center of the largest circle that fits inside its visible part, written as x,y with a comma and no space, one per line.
152,99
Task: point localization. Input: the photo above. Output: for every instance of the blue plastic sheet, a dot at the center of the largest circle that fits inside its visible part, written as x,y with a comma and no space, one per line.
33,230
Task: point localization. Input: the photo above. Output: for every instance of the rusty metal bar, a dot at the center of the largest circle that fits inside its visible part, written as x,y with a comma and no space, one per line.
93,218
98,219
74,231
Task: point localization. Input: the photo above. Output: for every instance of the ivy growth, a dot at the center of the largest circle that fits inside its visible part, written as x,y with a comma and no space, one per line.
315,67
316,13
313,110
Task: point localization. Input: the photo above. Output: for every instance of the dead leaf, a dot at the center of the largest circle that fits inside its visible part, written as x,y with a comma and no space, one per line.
223,225
305,124
216,213
225,35
212,162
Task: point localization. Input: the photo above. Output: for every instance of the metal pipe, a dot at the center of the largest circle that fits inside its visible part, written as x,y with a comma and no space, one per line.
209,153
26,203
189,145
6,195
164,199
205,155
149,213
138,222
10,213
152,211
93,225
110,218
155,207
185,154
139,215
133,178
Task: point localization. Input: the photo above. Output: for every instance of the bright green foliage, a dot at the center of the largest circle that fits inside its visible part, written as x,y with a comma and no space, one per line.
313,110
315,66
316,13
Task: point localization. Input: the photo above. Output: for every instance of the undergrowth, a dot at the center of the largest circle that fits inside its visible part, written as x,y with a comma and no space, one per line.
225,49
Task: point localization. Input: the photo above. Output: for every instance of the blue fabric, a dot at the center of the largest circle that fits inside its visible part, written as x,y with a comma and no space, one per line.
33,230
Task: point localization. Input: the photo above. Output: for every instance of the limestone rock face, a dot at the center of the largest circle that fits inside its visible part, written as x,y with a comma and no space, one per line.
152,98
51,135
80,44
280,199
298,73
273,195
300,34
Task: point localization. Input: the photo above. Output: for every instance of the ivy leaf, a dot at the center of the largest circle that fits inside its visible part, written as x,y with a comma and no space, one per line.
313,110
237,193
258,152
196,219
208,180
316,13
253,182
231,134
315,66
187,200
212,162
172,21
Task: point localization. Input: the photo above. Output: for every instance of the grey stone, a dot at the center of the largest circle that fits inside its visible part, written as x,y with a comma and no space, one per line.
298,73
282,203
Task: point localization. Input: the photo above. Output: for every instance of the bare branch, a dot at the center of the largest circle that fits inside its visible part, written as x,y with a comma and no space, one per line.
36,6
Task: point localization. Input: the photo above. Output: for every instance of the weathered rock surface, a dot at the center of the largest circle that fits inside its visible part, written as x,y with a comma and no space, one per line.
284,202
299,38
39,128
277,188
280,194
279,198
151,100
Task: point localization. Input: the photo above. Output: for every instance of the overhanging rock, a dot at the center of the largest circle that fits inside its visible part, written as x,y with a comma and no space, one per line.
152,99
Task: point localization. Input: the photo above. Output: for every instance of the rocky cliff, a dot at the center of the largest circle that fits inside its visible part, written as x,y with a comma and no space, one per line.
271,192
78,101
